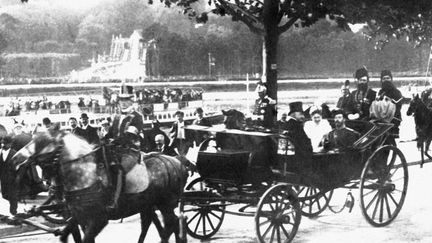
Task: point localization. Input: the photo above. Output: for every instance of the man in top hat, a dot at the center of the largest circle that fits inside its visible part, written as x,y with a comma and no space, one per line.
128,117
345,102
294,129
180,139
363,96
88,132
342,137
264,106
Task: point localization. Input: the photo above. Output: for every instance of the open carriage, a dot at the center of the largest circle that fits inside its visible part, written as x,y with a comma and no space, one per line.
263,175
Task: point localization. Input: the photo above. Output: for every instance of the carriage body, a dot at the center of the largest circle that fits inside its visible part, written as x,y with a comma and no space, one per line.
256,168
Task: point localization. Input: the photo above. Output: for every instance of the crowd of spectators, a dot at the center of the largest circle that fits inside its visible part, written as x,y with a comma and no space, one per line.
167,95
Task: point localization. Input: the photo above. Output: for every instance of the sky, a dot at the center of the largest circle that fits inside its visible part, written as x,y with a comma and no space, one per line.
68,4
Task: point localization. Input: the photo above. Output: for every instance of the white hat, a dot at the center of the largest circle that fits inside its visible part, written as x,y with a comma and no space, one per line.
133,130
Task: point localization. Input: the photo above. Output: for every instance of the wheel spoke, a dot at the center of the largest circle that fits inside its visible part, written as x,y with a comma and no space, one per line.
272,234
387,206
198,223
204,224
285,231
210,222
278,234
372,200
376,206
265,222
219,217
381,209
394,201
191,219
267,230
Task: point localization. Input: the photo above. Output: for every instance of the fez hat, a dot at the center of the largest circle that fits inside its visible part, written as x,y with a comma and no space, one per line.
295,107
386,73
126,92
362,72
337,112
84,116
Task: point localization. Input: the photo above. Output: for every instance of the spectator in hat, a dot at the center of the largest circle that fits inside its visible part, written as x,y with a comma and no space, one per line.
342,137
317,128
362,97
20,138
294,129
265,107
200,119
75,129
89,133
128,115
179,137
104,129
389,90
8,174
345,102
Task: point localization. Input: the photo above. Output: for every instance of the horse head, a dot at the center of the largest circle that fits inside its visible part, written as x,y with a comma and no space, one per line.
414,104
234,119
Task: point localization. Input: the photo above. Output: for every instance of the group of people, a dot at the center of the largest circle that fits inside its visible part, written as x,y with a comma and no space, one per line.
362,104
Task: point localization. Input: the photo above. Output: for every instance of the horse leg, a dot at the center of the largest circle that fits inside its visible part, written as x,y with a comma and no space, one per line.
171,222
93,228
158,225
422,153
71,228
145,223
428,142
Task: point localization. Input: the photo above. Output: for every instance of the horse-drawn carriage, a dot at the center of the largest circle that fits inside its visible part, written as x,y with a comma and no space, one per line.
262,172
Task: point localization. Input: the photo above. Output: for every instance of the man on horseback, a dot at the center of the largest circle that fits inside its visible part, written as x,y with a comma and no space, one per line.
129,118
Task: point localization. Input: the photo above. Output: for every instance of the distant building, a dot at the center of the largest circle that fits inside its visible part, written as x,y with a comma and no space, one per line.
130,59
39,64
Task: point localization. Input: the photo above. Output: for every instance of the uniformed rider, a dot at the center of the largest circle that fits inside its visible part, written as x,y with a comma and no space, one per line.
123,122
265,107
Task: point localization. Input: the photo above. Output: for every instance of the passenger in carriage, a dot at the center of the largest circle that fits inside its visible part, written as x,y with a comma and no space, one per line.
317,128
200,119
346,102
362,97
162,146
388,89
341,138
294,129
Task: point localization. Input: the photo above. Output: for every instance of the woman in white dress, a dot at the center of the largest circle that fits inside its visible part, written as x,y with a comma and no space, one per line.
316,128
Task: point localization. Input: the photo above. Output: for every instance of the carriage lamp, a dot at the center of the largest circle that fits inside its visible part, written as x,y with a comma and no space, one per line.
285,147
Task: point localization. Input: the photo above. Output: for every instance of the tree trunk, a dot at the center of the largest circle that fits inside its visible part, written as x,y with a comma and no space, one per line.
271,38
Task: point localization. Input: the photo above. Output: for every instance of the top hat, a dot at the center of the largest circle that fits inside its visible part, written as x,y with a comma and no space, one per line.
132,131
126,92
295,107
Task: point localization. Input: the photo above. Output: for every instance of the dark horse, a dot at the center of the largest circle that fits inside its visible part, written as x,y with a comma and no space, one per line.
151,181
422,118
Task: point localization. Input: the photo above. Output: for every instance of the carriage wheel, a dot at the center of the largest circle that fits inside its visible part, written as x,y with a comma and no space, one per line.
383,186
312,200
203,211
278,215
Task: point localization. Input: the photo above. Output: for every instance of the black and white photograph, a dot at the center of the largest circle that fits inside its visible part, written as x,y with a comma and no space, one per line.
231,121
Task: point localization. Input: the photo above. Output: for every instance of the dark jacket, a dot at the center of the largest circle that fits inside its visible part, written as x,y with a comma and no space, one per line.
149,139
363,102
90,135
265,107
119,126
8,176
302,143
21,140
342,139
202,122
346,103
